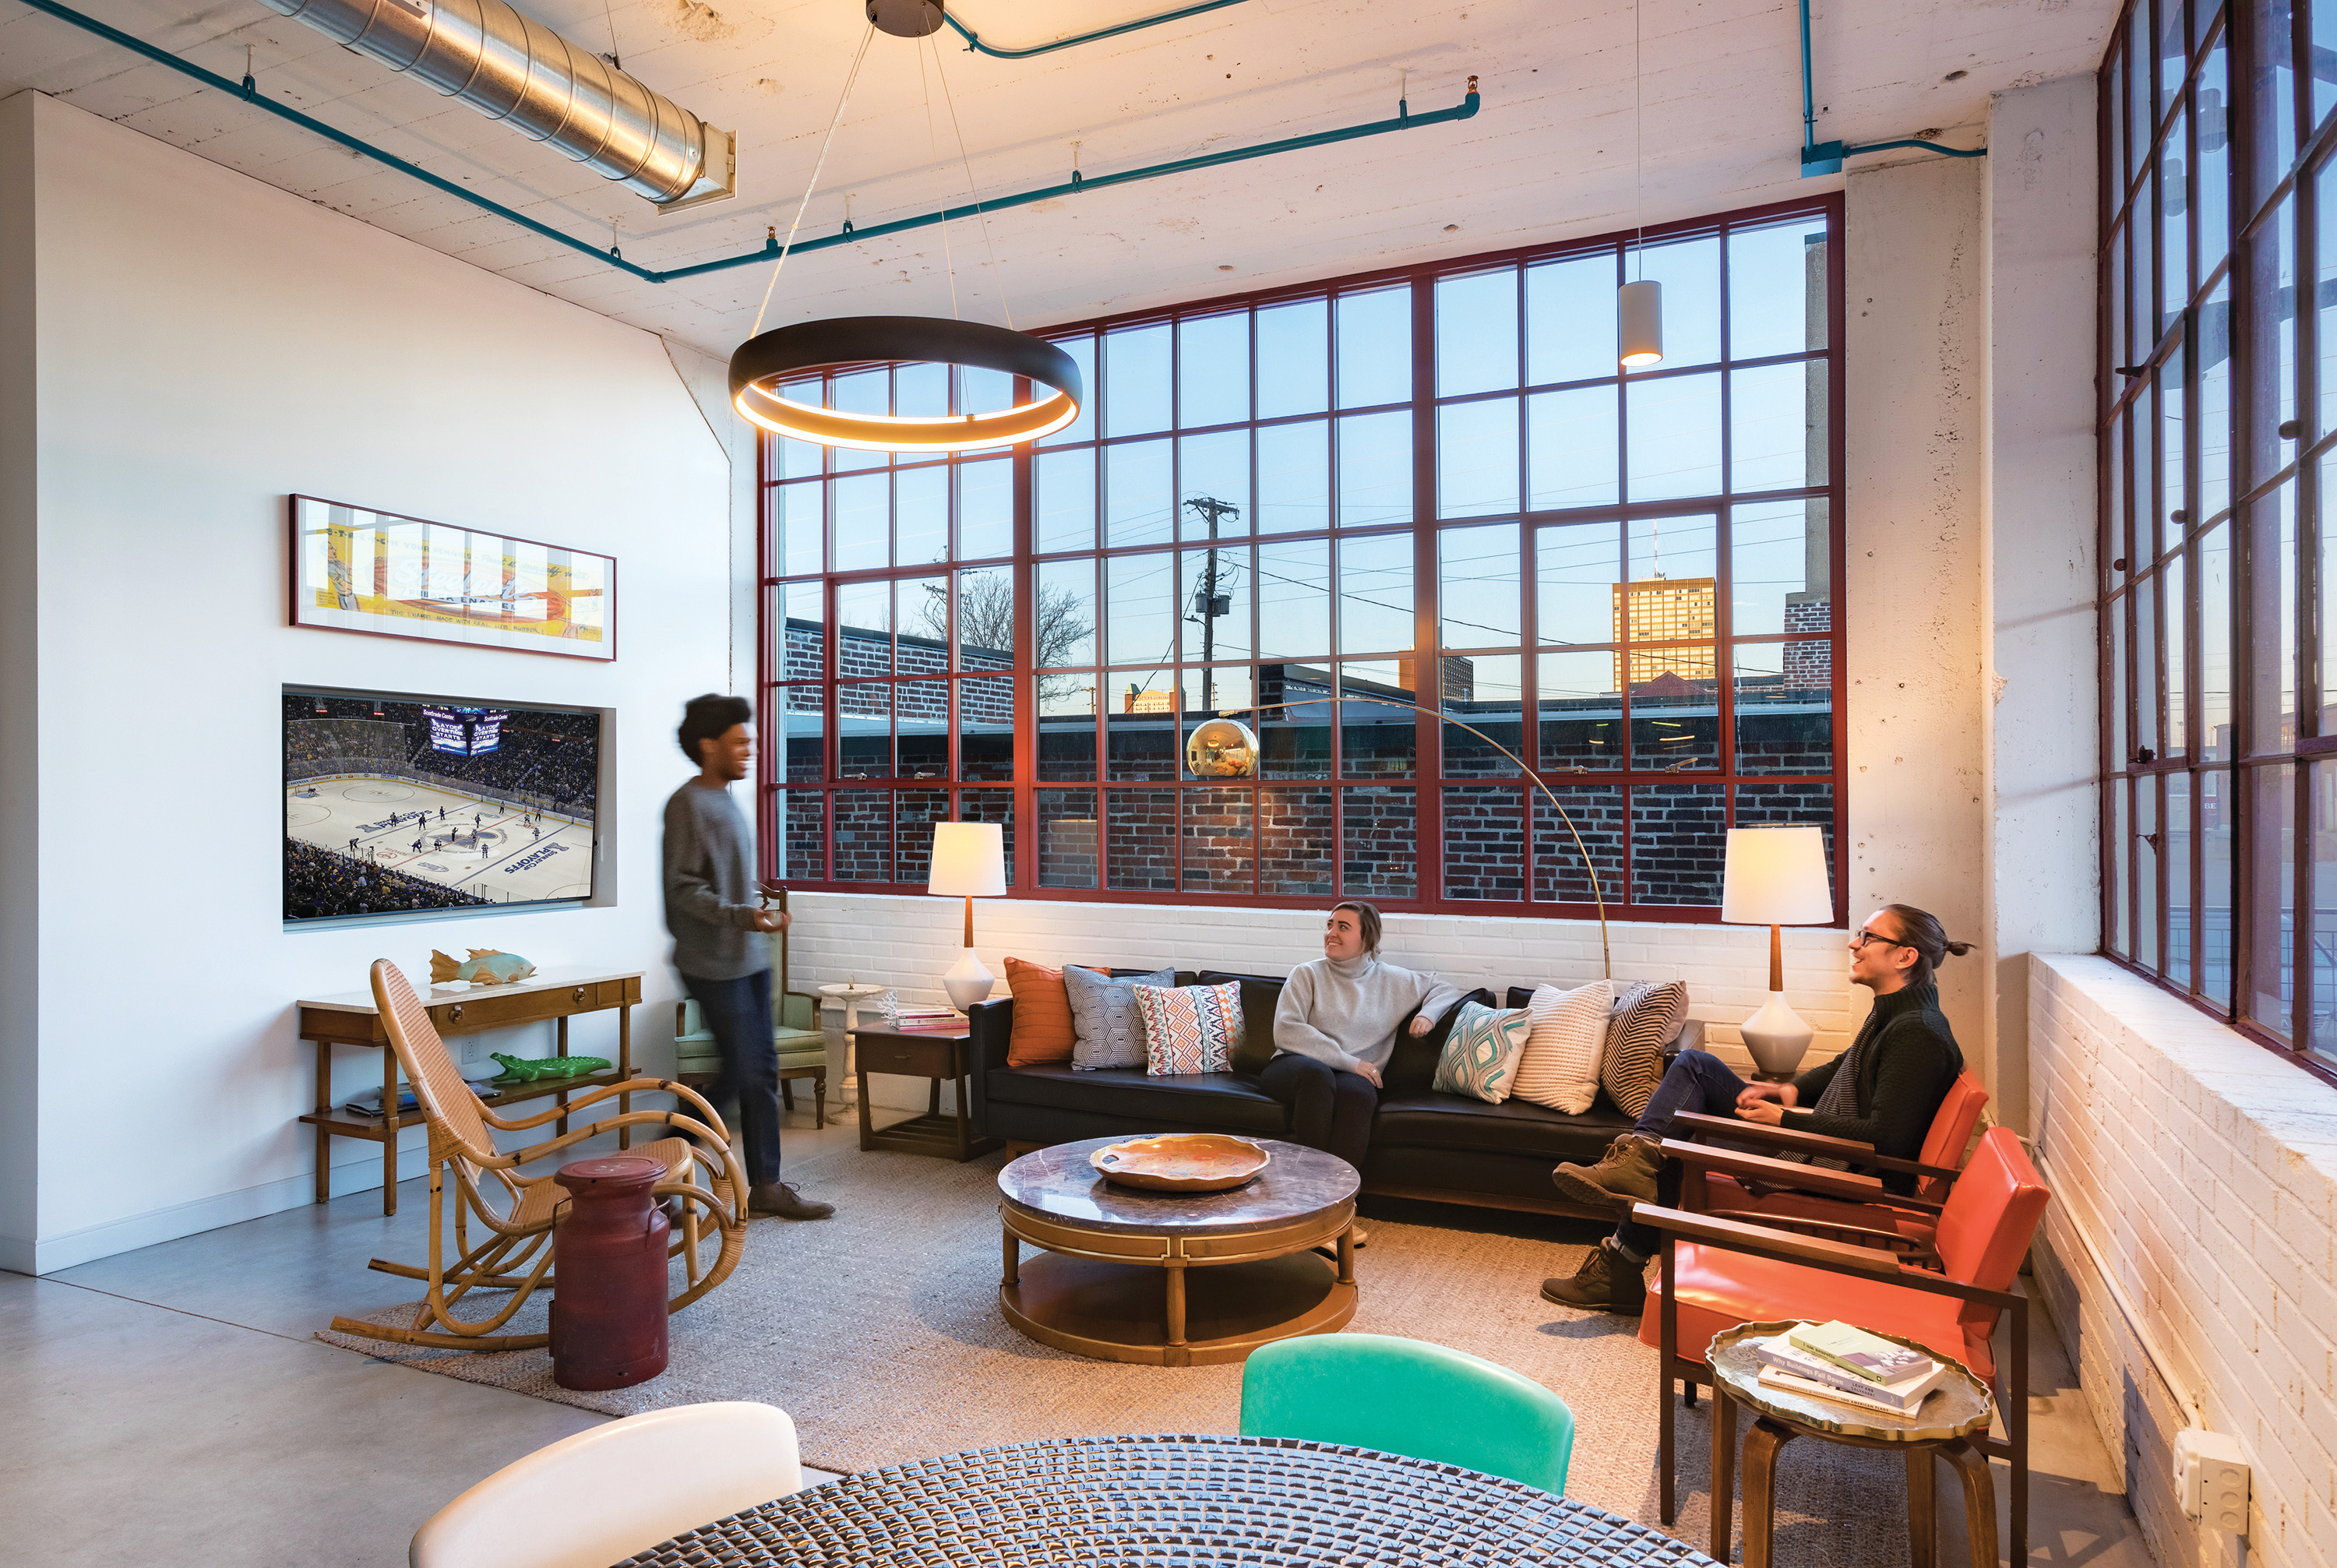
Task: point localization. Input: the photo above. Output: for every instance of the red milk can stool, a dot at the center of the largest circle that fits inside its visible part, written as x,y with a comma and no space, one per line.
609,1275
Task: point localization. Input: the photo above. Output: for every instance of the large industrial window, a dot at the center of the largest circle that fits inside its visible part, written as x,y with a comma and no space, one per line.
1428,486
2218,438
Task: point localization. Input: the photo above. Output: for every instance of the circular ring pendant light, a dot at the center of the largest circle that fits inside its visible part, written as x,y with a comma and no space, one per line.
764,364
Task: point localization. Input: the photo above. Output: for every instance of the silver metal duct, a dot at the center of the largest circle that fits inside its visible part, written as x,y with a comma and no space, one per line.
511,68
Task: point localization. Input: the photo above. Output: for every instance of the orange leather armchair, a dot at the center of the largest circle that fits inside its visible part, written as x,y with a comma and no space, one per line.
1718,1273
1766,1190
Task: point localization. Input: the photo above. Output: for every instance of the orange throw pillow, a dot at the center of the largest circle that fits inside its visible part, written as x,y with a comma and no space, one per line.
1042,1016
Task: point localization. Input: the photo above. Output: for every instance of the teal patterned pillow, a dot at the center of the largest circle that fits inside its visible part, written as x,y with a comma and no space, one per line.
1480,1054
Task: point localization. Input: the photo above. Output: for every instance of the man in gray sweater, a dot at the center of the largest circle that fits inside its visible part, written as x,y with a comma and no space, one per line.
717,946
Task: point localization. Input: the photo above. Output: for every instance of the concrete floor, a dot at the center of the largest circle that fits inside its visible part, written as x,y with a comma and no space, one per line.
169,1406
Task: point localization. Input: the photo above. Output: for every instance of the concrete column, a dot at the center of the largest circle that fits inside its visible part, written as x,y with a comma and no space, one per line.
2043,717
1913,368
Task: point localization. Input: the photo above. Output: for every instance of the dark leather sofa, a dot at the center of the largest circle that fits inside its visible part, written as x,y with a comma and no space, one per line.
1449,1148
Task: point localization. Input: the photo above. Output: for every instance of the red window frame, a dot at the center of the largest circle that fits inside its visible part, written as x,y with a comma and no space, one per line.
1430,787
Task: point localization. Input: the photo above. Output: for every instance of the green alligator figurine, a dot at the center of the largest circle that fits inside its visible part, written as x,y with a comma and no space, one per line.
550,1067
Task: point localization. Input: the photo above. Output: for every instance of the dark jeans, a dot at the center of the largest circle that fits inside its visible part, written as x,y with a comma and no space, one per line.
738,1014
1329,1110
1697,1081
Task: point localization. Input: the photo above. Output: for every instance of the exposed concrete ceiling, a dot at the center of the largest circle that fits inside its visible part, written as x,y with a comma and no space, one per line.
1549,155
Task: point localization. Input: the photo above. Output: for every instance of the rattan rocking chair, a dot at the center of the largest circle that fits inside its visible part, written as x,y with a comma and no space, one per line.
515,1255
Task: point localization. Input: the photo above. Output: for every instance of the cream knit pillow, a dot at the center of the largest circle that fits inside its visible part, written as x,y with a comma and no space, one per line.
1561,1065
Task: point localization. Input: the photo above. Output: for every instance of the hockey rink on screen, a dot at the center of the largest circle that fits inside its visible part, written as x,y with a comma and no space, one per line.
509,854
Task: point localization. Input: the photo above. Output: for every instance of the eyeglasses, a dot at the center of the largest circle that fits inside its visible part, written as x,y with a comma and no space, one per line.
1864,938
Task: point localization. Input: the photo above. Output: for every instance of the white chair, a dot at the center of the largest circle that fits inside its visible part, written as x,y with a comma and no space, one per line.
599,1497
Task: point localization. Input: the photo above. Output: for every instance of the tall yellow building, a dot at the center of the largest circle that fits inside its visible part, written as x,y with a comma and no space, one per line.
1663,610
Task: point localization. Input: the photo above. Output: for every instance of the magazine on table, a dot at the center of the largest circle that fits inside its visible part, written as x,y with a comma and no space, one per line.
1854,1350
1806,1373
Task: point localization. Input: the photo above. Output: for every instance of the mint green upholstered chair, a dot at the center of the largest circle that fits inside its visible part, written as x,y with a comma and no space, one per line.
1411,1397
795,1030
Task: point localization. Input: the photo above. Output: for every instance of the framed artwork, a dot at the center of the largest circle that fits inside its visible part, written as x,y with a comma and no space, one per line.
355,569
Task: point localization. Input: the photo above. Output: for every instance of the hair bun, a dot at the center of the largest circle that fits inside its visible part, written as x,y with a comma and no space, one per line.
1959,948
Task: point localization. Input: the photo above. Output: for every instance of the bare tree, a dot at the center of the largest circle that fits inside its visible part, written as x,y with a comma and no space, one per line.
986,620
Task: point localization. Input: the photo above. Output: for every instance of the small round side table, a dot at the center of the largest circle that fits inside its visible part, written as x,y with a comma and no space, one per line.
848,997
1943,1426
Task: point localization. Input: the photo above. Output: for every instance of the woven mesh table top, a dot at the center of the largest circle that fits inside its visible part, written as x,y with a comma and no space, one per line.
1171,1502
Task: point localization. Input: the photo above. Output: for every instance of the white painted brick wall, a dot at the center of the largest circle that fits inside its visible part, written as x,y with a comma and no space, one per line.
2204,1172
907,940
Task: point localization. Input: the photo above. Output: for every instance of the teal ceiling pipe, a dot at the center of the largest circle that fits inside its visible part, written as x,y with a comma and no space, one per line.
976,45
248,89
1405,119
1825,156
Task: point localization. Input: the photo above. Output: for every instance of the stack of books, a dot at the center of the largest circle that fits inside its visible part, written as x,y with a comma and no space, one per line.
919,1015
1848,1365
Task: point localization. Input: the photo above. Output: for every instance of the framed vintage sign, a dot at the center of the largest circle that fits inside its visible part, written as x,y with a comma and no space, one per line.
355,569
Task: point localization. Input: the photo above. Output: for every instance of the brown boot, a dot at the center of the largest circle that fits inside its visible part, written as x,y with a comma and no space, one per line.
781,1199
1606,1282
1625,1175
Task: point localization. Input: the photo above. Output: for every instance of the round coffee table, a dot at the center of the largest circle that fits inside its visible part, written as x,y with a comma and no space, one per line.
1176,1278
1944,1425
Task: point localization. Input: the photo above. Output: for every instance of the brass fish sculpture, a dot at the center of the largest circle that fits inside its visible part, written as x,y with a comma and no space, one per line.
550,1067
485,966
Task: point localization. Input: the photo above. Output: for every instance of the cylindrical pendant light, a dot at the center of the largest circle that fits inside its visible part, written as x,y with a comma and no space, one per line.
1640,322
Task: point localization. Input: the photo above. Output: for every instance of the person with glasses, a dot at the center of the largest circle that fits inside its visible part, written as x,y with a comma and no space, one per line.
1884,1090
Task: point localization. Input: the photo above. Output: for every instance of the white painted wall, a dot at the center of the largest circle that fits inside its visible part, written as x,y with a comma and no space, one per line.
205,345
20,795
2042,737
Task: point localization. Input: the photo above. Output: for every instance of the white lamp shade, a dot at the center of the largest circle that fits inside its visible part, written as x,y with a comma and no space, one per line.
969,861
1640,322
1776,877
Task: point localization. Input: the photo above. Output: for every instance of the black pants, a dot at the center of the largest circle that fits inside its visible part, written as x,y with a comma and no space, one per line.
1329,1110
738,1014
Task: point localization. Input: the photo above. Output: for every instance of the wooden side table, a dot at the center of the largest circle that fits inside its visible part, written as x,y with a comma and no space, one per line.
934,1054
1942,1427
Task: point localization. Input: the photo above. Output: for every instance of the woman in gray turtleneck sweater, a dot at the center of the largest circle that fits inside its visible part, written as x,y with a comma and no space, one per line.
1334,1030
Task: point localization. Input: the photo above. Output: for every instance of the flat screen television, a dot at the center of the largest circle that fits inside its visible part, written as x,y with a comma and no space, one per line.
399,804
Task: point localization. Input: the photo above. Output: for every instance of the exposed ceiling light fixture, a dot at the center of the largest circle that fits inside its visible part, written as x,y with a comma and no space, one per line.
764,366
1639,304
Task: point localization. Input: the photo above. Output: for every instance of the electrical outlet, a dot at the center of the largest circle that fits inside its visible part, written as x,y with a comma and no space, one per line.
2211,1478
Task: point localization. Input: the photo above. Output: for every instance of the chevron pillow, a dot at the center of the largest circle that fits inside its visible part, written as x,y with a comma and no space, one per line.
1190,1028
1482,1051
1646,1018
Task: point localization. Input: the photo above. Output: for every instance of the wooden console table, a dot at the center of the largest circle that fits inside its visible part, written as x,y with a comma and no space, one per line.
557,994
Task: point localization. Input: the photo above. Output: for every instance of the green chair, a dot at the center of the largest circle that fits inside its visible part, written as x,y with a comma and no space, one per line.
1411,1397
795,1031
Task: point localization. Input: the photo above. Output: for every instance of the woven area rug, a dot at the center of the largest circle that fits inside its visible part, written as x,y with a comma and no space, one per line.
879,1331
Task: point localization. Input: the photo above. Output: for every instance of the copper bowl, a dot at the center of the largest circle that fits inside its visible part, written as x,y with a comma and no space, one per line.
1181,1162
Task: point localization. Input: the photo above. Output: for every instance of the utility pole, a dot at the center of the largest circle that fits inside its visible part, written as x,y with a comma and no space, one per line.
1208,602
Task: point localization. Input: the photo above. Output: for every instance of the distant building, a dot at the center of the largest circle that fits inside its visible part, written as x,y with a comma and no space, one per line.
1137,702
1665,610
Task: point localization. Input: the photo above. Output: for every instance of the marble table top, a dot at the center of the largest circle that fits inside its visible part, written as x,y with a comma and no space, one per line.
1059,1182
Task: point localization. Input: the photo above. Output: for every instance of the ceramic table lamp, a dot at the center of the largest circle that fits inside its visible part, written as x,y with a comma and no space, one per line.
1776,877
969,863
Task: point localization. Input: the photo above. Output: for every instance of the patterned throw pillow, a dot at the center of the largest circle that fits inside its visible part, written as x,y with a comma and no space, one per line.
1190,1028
1103,1014
1482,1051
1560,1067
1647,1017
